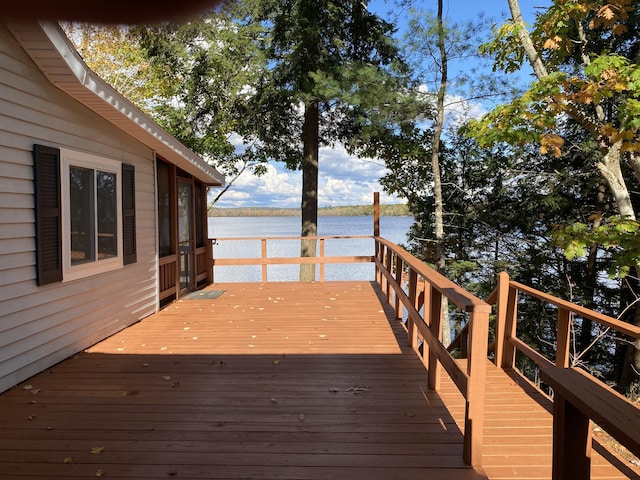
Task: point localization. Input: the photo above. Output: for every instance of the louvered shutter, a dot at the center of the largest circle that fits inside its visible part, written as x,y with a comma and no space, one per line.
128,214
48,214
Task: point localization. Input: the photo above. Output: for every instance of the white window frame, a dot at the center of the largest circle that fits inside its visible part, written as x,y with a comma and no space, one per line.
71,158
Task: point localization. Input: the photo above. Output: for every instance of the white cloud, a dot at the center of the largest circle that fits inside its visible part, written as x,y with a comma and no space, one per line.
343,180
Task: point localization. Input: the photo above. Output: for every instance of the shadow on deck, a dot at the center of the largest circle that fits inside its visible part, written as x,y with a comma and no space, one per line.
271,381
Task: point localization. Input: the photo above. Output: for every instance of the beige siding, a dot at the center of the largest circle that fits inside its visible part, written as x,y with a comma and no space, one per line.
40,326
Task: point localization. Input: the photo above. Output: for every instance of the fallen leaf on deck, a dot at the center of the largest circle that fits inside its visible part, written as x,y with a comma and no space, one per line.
357,390
166,377
276,362
31,417
301,417
175,384
273,400
68,460
100,473
28,387
145,364
96,450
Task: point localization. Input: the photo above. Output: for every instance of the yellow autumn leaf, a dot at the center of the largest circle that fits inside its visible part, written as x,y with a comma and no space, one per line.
607,12
552,43
68,459
100,473
95,450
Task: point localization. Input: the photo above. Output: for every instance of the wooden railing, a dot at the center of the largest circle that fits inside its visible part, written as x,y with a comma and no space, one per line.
571,388
506,297
423,303
264,260
168,276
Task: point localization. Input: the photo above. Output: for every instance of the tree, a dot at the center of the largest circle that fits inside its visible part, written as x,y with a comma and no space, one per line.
113,52
585,56
189,77
323,56
419,152
209,65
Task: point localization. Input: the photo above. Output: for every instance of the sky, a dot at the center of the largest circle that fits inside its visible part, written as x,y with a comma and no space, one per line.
344,179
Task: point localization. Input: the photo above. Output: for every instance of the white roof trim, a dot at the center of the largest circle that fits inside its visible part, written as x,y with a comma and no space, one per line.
66,70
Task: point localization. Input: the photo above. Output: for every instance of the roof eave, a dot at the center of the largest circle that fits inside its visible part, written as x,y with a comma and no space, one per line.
65,69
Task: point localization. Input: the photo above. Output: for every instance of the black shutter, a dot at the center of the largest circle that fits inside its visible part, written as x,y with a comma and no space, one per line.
48,214
129,214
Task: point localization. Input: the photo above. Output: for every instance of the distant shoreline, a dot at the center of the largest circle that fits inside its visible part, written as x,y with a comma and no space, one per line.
398,210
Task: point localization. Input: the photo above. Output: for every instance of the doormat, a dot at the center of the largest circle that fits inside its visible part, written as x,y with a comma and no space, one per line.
204,295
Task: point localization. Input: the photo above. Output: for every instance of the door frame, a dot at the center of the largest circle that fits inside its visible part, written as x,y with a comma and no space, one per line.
187,256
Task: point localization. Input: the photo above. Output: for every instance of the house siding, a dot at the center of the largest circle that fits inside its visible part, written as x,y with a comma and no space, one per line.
40,326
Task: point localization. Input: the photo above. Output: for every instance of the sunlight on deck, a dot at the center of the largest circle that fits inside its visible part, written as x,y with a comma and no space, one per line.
251,318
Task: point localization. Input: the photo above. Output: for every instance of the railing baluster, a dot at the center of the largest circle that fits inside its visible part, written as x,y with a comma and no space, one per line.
263,244
426,303
412,331
510,325
435,324
322,264
399,272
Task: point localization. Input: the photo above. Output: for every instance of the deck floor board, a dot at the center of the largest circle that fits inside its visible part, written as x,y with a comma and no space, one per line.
274,381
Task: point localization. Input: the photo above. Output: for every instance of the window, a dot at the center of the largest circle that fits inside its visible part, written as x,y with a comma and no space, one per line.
85,214
92,228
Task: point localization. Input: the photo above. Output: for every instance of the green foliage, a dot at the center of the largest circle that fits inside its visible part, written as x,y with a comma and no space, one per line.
592,82
618,235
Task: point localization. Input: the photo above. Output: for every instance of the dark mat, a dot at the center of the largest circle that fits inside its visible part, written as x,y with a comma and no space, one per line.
204,295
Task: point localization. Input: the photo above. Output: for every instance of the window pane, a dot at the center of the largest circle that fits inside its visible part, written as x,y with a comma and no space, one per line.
107,203
81,215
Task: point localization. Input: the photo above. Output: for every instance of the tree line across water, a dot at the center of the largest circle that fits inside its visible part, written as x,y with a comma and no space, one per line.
397,210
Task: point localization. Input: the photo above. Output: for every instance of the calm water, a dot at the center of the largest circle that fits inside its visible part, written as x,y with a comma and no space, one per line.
392,228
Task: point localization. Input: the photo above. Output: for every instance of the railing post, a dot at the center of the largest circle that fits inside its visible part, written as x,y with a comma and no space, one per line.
477,371
376,214
501,315
435,324
563,336
507,311
263,244
571,443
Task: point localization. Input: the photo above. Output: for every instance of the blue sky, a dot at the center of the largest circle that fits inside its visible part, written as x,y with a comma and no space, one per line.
344,179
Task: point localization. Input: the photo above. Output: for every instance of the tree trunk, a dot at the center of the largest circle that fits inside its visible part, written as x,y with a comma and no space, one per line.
630,372
591,282
437,178
310,139
609,167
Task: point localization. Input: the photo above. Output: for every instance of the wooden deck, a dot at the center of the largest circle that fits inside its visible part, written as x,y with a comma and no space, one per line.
271,381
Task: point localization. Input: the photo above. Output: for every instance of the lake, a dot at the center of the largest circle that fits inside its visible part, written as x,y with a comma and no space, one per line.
392,228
